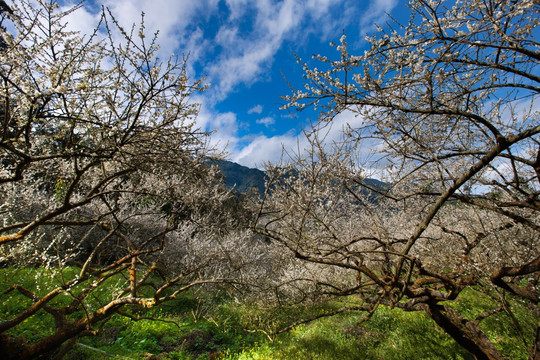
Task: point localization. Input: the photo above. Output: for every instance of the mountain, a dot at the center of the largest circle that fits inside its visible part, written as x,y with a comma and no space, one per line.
242,178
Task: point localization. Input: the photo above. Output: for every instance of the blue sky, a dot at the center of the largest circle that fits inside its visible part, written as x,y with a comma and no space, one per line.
245,48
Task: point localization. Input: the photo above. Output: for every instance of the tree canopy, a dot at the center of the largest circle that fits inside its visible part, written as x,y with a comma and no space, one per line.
104,175
449,102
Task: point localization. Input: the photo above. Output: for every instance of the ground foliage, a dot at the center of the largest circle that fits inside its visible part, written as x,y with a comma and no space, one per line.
212,325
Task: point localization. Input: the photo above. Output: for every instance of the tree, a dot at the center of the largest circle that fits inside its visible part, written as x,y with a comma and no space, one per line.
450,102
102,168
4,9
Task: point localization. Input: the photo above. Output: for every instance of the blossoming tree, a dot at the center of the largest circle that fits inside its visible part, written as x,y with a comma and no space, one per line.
449,102
102,168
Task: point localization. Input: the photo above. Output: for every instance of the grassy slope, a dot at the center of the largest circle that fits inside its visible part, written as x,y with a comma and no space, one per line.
214,329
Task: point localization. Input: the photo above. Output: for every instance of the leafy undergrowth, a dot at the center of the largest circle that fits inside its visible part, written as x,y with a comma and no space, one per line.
211,325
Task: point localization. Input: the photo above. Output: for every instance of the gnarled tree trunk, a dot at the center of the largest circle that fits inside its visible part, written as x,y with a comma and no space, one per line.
466,333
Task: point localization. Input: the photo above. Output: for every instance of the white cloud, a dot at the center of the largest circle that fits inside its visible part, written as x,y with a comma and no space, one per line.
224,124
319,8
244,68
237,7
248,56
257,109
266,121
231,57
376,14
173,19
243,57
170,17
262,149
82,20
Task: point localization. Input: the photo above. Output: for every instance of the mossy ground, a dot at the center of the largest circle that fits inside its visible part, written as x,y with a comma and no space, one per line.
201,325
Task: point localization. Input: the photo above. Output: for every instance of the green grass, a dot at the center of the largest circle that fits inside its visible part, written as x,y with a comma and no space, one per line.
390,334
200,325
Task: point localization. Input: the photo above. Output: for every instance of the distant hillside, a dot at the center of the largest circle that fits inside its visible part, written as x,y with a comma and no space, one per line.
242,178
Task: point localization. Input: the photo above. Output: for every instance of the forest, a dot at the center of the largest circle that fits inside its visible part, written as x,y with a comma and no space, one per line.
123,234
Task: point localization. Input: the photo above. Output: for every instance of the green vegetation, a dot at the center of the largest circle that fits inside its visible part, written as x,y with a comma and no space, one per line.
216,328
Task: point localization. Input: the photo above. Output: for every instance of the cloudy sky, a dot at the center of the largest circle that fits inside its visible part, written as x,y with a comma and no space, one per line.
245,49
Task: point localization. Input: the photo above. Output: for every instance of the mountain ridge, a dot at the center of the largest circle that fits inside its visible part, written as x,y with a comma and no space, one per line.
243,179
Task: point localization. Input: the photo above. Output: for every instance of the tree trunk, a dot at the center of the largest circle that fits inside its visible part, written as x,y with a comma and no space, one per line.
19,349
13,348
535,348
466,333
